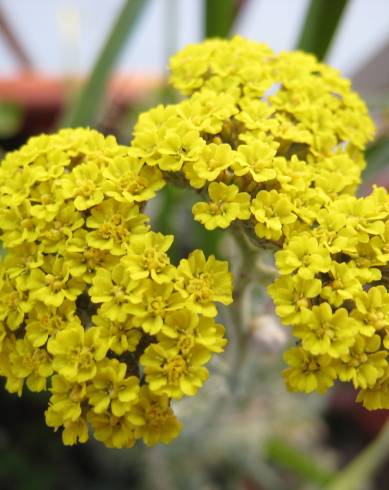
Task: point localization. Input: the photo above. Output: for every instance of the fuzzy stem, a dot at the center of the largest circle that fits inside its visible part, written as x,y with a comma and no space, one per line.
248,271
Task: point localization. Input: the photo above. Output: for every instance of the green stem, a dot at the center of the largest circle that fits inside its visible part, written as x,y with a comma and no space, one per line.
85,108
320,25
360,471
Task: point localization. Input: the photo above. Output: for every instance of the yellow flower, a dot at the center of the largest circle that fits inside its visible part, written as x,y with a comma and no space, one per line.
116,291
172,373
380,245
129,180
114,224
83,260
45,201
207,110
307,372
304,255
257,159
75,352
34,365
156,301
343,285
294,175
55,235
272,212
183,330
365,362
111,389
146,257
87,288
256,114
372,311
364,216
14,304
293,297
45,321
179,147
121,336
160,424
150,131
213,160
52,283
227,204
113,431
203,282
73,431
23,259
332,232
18,226
67,399
327,332
376,397
90,299
84,185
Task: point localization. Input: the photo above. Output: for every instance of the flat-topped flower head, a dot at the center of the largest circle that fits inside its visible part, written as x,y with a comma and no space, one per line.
274,125
87,289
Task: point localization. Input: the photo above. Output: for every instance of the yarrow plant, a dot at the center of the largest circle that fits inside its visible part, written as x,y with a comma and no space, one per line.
91,307
94,311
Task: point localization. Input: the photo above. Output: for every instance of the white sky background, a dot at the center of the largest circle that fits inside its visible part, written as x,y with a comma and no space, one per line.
64,36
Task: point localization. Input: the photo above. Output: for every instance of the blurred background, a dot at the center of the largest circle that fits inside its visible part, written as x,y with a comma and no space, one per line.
100,63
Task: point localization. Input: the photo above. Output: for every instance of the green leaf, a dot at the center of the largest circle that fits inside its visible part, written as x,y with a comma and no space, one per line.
11,117
320,24
360,471
299,463
377,157
84,110
219,17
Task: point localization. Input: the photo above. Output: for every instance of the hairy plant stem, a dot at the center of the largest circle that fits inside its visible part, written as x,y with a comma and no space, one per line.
358,474
250,270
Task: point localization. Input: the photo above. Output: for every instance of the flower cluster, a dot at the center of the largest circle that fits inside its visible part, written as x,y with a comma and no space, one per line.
332,290
275,143
91,308
261,136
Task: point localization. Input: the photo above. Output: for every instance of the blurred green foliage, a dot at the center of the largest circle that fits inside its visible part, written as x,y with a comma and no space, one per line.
11,118
218,17
301,464
320,24
85,108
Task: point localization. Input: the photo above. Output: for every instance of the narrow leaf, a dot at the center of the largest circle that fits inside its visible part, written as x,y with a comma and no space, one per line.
299,463
11,119
219,16
321,21
85,108
359,473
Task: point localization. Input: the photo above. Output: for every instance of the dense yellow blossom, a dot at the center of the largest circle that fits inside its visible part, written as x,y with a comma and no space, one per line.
89,298
227,204
333,291
285,131
92,309
293,140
